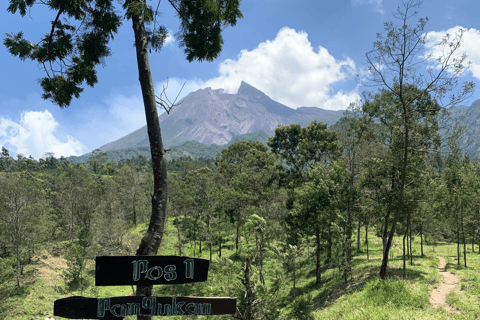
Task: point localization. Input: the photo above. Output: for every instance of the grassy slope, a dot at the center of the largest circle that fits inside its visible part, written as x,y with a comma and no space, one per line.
361,298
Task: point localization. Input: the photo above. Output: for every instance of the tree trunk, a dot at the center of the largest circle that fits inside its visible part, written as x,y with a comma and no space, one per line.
398,209
473,241
260,258
404,266
348,246
151,240
18,265
194,240
237,237
308,248
318,271
329,246
464,243
178,235
410,229
249,294
366,237
421,239
210,239
458,233
220,247
358,235
134,213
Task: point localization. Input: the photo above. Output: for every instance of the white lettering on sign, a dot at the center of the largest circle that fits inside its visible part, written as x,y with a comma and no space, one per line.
150,303
168,272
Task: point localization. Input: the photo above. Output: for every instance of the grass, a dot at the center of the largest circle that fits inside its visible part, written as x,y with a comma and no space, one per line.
363,297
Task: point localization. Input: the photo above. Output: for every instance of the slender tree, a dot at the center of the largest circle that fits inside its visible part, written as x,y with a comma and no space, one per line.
393,65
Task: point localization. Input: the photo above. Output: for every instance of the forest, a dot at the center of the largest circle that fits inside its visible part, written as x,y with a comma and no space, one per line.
303,213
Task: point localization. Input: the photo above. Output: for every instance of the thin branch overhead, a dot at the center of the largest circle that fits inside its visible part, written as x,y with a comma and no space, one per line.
167,105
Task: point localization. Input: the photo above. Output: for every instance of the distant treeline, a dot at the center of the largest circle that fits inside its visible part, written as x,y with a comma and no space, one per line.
192,149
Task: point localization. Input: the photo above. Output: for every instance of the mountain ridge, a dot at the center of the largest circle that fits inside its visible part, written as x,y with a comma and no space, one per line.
214,117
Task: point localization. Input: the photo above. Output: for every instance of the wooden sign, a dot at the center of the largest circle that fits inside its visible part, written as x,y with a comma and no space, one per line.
149,270
119,307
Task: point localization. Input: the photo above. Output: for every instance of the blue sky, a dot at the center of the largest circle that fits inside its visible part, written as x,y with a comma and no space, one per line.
300,53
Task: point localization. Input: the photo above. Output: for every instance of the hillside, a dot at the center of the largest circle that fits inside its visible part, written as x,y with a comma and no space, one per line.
418,297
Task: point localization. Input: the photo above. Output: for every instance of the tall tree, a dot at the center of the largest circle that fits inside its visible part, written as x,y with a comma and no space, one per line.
393,65
76,50
301,148
249,170
320,202
355,132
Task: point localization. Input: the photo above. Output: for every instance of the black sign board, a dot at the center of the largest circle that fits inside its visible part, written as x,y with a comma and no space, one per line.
119,307
149,270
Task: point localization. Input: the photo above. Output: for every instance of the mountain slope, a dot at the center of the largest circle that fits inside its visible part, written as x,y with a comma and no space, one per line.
215,117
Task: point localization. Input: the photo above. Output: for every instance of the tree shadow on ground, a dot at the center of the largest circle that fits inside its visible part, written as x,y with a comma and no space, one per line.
333,287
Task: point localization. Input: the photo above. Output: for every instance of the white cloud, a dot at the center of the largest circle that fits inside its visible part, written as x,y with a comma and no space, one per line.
470,44
289,71
378,4
170,40
34,135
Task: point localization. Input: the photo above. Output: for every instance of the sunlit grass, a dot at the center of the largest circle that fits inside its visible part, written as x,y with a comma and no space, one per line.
363,297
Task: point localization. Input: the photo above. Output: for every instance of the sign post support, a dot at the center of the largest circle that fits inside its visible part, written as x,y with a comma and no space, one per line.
145,270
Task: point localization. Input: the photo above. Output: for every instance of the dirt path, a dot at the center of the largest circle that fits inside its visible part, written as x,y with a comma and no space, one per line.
438,296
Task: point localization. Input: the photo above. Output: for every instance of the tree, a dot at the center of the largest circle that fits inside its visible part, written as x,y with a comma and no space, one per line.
20,211
250,171
319,201
131,189
355,132
392,65
301,148
77,50
5,160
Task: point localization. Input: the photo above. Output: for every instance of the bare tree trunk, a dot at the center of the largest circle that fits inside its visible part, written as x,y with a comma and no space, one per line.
319,270
404,266
237,238
249,294
329,246
308,248
210,239
178,235
151,240
220,247
18,264
410,229
458,233
358,235
366,238
473,241
348,246
421,239
134,213
464,243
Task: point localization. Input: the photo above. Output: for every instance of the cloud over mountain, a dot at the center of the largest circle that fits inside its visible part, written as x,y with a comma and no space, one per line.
289,70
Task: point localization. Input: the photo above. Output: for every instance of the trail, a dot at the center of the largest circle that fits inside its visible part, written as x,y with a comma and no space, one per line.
438,296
